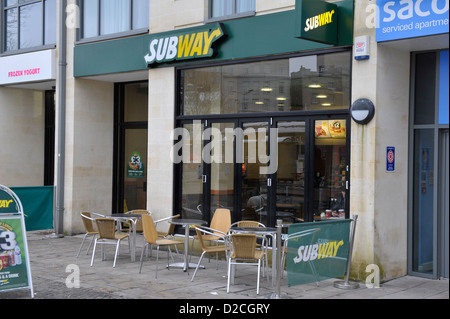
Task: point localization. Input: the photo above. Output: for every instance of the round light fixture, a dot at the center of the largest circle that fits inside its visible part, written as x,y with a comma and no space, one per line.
362,111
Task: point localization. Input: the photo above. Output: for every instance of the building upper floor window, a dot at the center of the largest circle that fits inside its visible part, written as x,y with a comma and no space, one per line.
28,24
107,17
226,9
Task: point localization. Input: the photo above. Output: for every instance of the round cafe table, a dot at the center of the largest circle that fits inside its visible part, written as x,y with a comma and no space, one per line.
187,223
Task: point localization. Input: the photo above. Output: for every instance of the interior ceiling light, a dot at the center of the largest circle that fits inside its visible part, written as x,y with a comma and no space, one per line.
267,89
321,96
259,102
326,104
314,86
281,99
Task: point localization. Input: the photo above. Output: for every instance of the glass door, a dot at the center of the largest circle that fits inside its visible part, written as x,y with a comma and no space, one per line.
255,181
192,170
264,169
291,173
221,167
331,168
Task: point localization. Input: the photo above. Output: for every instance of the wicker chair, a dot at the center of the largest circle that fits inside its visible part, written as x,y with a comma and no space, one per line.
139,228
151,238
89,224
250,224
107,235
171,231
243,249
203,232
221,223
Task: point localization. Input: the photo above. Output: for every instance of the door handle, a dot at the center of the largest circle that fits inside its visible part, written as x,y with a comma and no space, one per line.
204,179
269,182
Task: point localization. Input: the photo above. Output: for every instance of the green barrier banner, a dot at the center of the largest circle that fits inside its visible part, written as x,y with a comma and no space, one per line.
14,260
37,205
317,251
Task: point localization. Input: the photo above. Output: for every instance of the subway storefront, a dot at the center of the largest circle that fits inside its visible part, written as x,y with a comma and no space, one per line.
261,115
253,115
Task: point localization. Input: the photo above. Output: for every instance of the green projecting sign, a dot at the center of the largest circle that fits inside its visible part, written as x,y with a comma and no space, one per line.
316,21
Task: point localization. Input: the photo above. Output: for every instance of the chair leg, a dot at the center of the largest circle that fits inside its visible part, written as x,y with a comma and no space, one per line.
169,251
259,271
90,244
142,255
93,252
198,265
157,253
229,275
117,252
82,243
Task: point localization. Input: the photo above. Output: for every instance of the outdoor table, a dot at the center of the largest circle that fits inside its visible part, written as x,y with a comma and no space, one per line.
270,231
133,218
187,223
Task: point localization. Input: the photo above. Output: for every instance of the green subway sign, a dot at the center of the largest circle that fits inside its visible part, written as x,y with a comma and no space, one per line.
317,20
188,45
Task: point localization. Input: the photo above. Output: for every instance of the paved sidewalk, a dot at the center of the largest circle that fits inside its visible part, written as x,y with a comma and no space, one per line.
51,256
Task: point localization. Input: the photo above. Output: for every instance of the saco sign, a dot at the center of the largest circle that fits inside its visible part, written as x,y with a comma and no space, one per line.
410,18
191,45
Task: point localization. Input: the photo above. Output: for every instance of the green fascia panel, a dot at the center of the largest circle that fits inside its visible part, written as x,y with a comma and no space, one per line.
248,37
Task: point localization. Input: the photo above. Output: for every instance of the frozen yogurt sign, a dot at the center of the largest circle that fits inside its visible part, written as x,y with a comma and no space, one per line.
188,45
402,19
28,67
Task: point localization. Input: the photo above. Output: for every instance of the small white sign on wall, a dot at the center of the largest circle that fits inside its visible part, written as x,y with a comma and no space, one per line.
28,67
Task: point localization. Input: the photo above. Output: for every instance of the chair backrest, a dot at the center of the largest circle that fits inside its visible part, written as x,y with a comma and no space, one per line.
88,222
249,223
149,228
200,233
139,222
221,220
244,245
171,230
106,228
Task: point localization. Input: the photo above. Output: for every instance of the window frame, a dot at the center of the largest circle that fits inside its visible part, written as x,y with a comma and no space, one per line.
3,20
99,37
231,16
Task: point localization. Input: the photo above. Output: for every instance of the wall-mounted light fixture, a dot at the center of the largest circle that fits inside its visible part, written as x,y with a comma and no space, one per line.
362,111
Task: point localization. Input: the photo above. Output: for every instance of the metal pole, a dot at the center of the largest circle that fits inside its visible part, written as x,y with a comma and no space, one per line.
277,294
59,220
346,284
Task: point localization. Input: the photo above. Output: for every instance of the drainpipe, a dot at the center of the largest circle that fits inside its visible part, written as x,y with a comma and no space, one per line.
62,62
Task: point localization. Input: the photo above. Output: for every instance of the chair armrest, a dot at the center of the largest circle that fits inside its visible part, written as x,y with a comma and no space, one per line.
211,231
163,219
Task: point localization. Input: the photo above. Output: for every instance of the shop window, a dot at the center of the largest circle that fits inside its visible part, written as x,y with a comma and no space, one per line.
28,24
316,82
330,168
111,17
229,9
425,88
